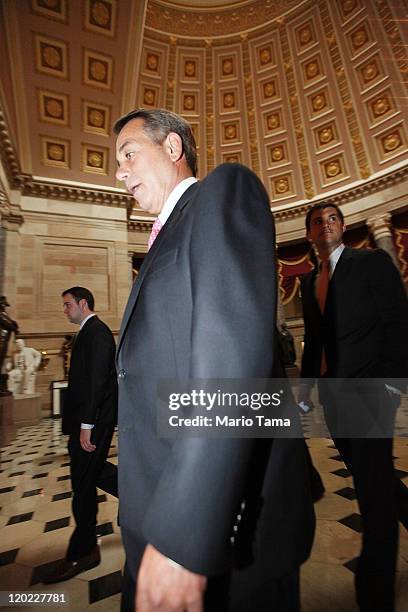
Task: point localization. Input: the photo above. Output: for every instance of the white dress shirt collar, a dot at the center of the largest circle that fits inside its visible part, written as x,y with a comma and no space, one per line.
334,258
86,319
174,197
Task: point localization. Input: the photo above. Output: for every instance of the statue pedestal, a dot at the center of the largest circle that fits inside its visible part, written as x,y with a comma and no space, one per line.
7,426
292,371
27,409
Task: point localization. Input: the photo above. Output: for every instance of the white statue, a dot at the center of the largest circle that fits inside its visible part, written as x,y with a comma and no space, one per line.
26,363
15,379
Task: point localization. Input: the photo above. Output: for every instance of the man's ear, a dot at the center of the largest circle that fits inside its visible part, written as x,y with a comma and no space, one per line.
174,146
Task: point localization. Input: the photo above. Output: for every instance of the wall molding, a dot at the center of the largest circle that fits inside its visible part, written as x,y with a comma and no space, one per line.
350,194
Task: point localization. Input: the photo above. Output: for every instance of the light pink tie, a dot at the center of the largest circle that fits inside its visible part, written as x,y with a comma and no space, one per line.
157,225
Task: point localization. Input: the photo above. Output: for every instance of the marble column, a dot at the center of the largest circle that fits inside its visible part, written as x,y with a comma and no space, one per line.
280,311
10,221
380,227
130,266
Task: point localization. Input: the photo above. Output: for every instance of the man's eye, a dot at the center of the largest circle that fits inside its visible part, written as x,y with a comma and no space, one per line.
129,155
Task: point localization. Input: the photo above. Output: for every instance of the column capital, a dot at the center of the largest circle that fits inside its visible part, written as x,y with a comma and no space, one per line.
10,214
380,226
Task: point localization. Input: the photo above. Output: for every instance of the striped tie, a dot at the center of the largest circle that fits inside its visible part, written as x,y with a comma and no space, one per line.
157,225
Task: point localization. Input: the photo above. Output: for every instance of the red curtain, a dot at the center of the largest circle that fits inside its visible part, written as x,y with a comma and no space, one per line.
298,259
400,235
293,261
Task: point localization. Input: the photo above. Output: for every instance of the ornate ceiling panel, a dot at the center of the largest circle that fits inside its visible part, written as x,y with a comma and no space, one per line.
311,94
67,67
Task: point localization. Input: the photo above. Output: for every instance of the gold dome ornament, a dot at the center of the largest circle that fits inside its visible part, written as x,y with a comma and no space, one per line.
277,154
392,142
54,108
51,57
100,14
325,135
95,159
98,70
55,152
332,169
282,185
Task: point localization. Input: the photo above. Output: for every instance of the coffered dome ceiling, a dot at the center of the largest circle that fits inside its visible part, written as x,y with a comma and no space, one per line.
311,95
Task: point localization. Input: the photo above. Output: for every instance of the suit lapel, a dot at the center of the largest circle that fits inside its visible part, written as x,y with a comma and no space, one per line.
150,257
311,289
82,333
341,271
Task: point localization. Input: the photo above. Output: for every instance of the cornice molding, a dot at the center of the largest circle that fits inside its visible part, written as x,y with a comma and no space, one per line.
29,186
139,226
215,22
8,153
8,214
43,189
348,195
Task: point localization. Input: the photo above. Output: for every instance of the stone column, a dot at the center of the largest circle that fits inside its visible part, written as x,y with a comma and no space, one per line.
280,311
10,221
130,265
380,227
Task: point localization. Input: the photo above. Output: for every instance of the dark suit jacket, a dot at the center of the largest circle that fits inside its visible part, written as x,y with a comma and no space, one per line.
92,384
364,328
203,306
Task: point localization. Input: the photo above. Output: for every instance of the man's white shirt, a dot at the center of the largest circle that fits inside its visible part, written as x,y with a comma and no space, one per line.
174,197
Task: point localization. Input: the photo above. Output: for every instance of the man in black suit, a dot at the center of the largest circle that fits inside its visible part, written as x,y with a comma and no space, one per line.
356,327
89,417
203,306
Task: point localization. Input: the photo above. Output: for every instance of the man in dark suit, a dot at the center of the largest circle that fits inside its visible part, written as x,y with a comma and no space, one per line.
356,327
89,418
203,306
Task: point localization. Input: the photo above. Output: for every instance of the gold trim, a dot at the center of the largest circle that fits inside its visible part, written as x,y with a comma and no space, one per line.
89,107
397,44
23,145
47,113
97,69
44,11
51,56
97,9
94,159
55,152
207,22
345,94
300,142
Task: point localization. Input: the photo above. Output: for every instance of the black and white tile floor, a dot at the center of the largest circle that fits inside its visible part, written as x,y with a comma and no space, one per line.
36,522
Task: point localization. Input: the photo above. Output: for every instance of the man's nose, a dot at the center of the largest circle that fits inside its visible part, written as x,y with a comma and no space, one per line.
122,173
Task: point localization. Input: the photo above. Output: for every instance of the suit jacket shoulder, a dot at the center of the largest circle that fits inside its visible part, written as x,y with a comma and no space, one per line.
92,386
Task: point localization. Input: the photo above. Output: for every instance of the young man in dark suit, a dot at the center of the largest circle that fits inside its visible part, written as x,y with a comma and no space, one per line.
89,418
356,327
203,306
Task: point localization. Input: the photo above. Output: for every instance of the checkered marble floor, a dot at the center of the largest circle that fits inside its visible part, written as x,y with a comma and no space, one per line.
36,522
